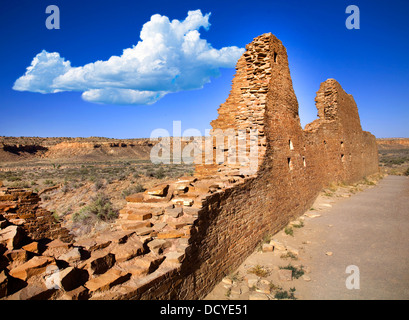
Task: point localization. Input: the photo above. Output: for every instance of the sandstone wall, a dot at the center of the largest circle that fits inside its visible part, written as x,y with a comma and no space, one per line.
293,166
178,239
21,207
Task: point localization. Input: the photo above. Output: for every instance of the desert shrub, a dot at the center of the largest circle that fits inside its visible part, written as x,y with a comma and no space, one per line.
296,272
100,208
283,294
20,184
13,178
159,174
406,173
289,231
259,271
98,184
49,182
133,189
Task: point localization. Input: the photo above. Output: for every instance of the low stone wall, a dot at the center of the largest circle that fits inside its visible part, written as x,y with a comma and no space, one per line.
21,207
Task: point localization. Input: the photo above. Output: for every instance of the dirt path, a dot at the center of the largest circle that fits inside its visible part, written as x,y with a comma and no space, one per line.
368,230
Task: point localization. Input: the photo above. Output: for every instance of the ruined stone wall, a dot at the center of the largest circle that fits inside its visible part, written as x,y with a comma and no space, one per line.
21,207
178,239
295,163
235,210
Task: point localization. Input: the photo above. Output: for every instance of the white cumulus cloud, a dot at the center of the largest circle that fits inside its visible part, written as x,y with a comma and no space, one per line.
170,57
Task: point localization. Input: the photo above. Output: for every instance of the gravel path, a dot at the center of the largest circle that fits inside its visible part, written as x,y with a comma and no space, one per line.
368,231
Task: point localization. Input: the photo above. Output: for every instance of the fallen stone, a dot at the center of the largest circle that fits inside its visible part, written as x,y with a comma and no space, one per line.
72,256
227,280
285,275
160,190
312,215
257,296
157,212
175,257
138,197
129,250
18,255
263,288
115,237
170,234
252,280
158,245
31,247
17,222
56,248
267,247
306,278
92,244
191,211
12,237
144,265
144,231
34,266
277,245
107,280
183,201
236,290
186,180
80,293
159,226
295,223
174,212
33,292
134,226
293,251
139,216
329,253
69,278
100,262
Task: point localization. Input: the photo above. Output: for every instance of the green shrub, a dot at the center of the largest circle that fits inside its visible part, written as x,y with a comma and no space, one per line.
289,231
296,272
282,294
100,207
133,189
49,182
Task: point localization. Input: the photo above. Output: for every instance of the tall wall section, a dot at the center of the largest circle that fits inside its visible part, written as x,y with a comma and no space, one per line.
229,212
294,164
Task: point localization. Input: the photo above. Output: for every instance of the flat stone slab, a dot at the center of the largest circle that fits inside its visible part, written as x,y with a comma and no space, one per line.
160,190
107,280
285,275
34,266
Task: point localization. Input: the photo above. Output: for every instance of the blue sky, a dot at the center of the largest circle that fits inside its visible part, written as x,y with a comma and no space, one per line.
370,63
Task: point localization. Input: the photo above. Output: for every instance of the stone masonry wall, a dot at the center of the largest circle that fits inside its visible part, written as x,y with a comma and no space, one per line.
21,207
179,239
232,210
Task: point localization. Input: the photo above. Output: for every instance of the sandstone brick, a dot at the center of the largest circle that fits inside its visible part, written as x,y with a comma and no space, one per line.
12,236
34,266
31,247
106,281
100,262
170,234
139,216
160,190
